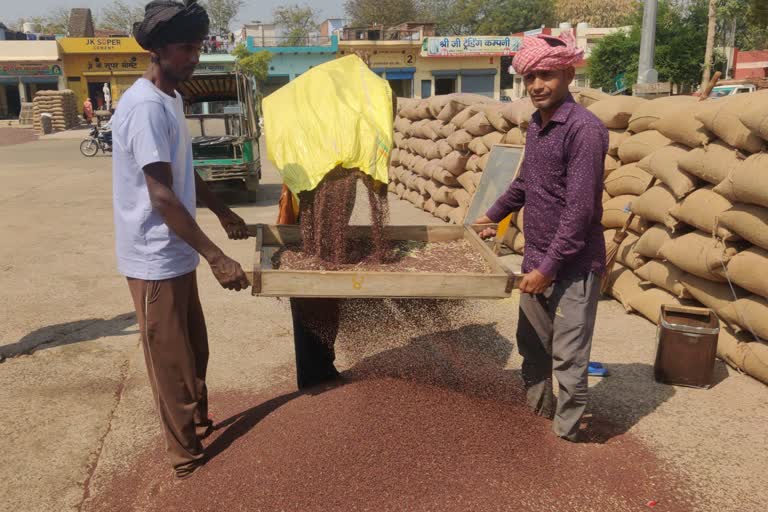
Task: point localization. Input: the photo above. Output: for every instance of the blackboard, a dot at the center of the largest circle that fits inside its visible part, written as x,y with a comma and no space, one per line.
499,172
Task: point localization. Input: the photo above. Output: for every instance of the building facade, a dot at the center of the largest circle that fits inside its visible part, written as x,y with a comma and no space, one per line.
90,62
292,57
25,68
750,65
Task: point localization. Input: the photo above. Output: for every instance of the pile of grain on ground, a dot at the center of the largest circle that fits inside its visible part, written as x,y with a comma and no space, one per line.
61,105
452,257
11,136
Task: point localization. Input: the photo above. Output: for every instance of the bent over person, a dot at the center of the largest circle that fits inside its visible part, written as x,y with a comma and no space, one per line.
158,240
560,184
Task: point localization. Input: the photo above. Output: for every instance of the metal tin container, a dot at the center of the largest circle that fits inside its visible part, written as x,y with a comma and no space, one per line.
686,346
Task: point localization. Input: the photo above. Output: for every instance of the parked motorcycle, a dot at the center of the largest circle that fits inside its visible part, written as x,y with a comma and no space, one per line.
98,139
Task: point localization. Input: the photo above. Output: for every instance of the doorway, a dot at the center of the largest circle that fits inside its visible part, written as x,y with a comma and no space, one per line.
13,99
445,86
426,88
96,93
402,88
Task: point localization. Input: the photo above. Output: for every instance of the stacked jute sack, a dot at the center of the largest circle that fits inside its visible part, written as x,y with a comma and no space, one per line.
61,105
700,235
443,144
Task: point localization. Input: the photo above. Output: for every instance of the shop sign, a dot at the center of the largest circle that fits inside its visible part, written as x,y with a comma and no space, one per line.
214,67
101,64
470,46
29,69
100,45
393,58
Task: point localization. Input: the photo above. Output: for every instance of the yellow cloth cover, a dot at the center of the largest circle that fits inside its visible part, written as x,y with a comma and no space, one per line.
336,114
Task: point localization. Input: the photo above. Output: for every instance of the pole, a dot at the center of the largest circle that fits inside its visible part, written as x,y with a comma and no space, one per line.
710,44
646,74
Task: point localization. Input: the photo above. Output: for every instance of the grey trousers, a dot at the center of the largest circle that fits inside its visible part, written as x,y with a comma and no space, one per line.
554,334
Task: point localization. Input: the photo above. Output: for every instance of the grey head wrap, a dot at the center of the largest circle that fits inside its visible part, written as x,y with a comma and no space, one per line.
168,21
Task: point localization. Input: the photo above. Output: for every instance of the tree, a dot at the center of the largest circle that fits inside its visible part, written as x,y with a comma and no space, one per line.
488,17
57,22
222,13
254,64
606,13
120,16
710,46
381,12
297,21
680,47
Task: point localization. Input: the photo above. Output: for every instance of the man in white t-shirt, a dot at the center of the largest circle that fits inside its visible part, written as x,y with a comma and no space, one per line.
158,240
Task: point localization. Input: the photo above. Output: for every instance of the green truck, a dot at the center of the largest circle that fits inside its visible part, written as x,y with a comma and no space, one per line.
223,122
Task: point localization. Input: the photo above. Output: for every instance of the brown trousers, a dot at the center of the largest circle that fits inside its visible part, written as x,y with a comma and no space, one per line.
175,343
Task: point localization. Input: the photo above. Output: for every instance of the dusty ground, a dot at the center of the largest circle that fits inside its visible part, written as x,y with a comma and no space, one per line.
16,135
79,424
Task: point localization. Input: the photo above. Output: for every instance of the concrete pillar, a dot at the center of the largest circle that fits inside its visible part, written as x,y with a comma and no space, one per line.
646,73
22,92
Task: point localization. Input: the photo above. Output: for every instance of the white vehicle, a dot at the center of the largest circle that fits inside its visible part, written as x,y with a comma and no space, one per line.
721,91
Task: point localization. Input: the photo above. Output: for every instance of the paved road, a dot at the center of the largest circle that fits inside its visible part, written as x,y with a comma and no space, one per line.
78,410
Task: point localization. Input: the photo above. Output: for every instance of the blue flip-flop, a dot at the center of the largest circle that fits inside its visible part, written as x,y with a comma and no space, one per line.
596,369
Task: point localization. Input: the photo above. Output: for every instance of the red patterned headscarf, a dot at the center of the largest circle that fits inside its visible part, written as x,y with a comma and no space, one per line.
546,53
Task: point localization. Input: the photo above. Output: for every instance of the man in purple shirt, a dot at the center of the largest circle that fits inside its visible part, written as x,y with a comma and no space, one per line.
560,185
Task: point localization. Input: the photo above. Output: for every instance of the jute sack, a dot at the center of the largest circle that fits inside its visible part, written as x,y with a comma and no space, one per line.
416,199
415,129
431,187
444,177
681,125
651,111
444,148
494,113
662,164
402,124
401,190
701,210
748,221
431,130
606,196
514,136
443,211
457,215
444,195
478,147
433,151
460,140
745,355
492,139
462,117
624,286
722,119
450,110
748,183
664,275
615,112
698,254
615,138
518,218
472,163
514,239
611,164
457,103
437,103
430,205
749,269
420,184
422,110
586,96
462,197
641,145
392,187
748,314
519,112
626,254
448,130
394,157
398,139
712,163
627,179
650,301
654,206
483,162
478,125
756,119
616,212
715,296
467,182
455,162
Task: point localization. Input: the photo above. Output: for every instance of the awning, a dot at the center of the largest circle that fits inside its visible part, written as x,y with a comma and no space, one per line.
446,73
400,73
478,72
29,51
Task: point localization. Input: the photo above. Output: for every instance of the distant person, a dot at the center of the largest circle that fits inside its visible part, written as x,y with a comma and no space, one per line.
560,185
158,240
88,110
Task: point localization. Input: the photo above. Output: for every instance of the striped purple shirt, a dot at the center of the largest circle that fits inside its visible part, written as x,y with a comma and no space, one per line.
561,184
